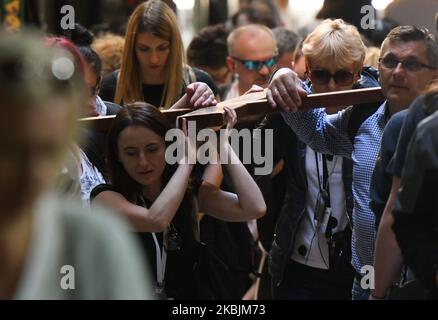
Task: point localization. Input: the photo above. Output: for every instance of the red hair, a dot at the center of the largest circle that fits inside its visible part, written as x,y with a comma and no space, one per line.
66,44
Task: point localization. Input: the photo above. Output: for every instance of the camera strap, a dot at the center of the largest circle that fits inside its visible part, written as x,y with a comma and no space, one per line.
323,176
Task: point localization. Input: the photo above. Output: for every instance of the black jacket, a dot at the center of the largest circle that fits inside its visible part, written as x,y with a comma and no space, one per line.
415,210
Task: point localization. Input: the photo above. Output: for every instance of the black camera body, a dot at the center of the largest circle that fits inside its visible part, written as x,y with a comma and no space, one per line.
340,251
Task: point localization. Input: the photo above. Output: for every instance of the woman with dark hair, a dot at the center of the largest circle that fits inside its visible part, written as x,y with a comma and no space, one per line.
160,200
83,38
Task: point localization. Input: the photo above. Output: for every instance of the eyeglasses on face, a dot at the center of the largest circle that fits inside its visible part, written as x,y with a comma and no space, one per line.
412,65
255,65
322,77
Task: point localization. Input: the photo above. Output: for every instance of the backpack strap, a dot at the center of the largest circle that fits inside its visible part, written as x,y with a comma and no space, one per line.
369,78
358,115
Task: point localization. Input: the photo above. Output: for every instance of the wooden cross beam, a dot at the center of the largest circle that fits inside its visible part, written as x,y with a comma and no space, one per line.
104,123
251,106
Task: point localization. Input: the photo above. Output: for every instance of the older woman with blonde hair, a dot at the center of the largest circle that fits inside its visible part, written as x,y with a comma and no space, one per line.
153,67
311,255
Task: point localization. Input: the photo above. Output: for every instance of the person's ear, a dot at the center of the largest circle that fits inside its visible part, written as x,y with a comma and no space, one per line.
356,77
307,72
231,64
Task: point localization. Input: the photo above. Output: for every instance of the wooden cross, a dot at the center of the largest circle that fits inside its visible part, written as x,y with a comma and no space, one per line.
104,123
251,106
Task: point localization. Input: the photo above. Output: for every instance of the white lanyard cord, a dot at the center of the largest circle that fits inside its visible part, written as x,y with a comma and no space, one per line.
161,261
320,164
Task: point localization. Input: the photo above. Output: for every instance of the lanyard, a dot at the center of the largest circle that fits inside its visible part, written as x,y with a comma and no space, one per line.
161,264
320,164
323,175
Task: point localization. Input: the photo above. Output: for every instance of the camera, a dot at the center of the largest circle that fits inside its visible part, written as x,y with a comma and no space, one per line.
340,251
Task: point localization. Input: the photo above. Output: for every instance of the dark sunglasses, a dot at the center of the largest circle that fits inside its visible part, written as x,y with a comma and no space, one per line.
413,65
322,77
254,65
172,241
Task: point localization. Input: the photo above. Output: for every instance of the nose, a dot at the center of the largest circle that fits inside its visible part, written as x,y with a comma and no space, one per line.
143,161
153,58
398,68
332,86
264,70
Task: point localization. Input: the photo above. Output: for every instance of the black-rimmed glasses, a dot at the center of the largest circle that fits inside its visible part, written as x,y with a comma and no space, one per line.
412,65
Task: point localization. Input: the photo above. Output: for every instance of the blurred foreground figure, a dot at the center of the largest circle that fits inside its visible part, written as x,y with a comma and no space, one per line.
50,249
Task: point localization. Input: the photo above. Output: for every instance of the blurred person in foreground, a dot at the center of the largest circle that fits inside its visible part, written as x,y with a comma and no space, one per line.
52,249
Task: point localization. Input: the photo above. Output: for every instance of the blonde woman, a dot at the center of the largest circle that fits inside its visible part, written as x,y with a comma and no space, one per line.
311,256
153,68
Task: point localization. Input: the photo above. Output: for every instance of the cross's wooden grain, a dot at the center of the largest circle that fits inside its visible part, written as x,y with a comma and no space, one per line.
104,123
251,106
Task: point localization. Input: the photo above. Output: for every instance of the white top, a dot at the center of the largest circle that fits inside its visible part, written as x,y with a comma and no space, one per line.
233,92
90,178
311,234
100,106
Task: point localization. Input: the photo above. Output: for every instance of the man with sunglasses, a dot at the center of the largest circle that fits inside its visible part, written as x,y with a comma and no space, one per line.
405,69
252,56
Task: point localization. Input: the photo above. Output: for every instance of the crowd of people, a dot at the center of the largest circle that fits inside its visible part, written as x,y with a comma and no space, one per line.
90,214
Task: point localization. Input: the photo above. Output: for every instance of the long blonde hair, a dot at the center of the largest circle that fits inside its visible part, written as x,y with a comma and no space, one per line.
158,19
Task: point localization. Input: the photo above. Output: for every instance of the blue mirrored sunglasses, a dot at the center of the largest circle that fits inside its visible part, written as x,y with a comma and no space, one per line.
254,65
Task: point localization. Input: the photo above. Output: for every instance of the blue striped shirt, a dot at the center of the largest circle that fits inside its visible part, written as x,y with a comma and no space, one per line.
328,134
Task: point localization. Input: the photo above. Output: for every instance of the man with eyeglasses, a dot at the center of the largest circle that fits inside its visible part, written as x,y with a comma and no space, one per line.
328,133
252,56
388,170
